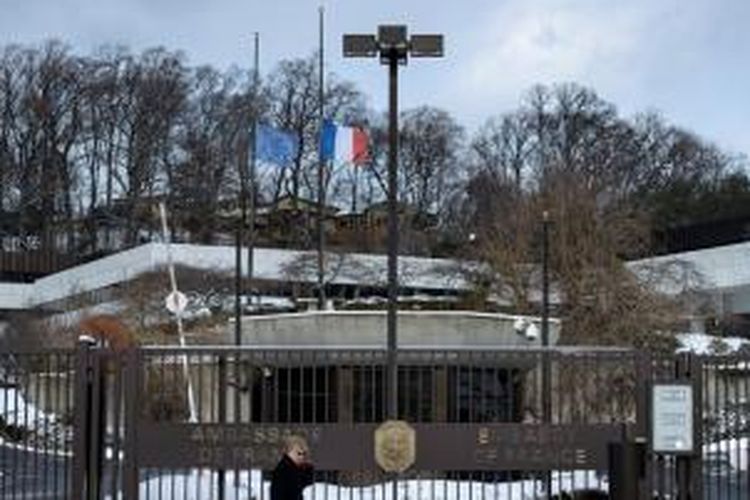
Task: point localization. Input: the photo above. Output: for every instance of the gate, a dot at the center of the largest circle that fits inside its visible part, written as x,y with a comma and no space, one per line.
209,422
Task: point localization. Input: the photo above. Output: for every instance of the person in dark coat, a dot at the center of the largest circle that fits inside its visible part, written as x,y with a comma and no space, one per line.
294,471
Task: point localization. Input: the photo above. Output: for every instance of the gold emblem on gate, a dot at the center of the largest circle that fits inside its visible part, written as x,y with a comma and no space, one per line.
395,446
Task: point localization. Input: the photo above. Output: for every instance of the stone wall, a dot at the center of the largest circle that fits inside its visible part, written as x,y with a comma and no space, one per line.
440,329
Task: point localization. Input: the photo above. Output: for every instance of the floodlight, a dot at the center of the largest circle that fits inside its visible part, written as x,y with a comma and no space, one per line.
426,46
393,44
360,46
392,36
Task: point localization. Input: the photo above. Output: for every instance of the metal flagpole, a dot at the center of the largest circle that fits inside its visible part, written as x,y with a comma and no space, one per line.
248,184
321,170
175,296
252,177
239,240
177,311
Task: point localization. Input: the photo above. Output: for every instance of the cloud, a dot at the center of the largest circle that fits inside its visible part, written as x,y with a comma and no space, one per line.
539,44
684,58
669,55
526,43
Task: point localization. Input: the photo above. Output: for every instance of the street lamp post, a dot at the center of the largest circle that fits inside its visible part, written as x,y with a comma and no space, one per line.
393,45
546,369
545,311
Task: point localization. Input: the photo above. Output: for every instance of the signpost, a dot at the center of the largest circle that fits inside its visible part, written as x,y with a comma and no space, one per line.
176,302
672,418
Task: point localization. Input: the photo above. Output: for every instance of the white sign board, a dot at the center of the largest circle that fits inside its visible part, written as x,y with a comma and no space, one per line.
176,302
672,418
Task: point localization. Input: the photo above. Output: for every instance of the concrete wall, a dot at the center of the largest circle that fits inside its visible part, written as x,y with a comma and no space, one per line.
368,329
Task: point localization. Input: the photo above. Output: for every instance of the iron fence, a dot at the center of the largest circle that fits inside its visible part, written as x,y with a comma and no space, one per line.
307,391
36,413
207,422
725,411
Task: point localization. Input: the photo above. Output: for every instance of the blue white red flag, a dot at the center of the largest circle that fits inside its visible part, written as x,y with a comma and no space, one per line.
343,144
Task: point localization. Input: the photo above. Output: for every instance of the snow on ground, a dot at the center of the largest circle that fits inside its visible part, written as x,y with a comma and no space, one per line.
268,303
45,429
371,300
16,411
699,343
204,485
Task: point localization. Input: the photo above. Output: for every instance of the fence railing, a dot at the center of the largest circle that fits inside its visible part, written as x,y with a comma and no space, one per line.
36,432
263,394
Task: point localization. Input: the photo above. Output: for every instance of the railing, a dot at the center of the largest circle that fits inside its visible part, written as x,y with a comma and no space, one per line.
337,397
725,409
36,433
479,413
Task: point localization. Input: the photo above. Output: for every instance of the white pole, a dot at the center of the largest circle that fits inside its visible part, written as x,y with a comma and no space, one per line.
178,313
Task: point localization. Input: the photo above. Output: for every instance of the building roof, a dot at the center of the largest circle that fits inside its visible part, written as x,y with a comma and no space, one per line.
723,267
724,270
271,264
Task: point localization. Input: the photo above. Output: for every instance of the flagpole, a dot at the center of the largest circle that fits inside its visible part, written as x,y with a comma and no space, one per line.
239,236
178,312
321,169
254,131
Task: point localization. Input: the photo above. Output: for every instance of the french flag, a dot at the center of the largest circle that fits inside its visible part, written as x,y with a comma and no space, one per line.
343,144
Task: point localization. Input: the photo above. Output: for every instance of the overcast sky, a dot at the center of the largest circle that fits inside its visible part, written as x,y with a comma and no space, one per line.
687,59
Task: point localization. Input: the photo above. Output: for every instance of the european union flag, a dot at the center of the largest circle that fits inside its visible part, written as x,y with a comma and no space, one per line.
275,145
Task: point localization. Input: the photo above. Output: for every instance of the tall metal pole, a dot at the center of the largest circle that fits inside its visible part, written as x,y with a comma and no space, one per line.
393,242
239,237
237,286
545,279
178,314
546,369
252,176
321,170
246,148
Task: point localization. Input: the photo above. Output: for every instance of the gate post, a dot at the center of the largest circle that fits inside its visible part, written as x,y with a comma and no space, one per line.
132,389
623,471
82,410
626,467
642,421
222,418
689,468
696,375
88,422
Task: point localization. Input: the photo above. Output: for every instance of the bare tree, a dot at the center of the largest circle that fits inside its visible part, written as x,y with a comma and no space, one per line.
155,95
430,142
202,176
40,125
503,146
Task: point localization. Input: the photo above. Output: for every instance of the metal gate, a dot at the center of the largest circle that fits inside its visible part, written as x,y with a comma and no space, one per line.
208,422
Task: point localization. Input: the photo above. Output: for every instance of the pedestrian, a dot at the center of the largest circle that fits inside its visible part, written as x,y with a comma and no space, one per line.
294,471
